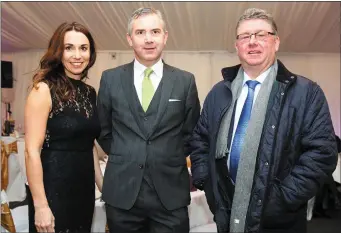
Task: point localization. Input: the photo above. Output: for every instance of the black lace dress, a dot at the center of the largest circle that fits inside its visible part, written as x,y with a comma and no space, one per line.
67,160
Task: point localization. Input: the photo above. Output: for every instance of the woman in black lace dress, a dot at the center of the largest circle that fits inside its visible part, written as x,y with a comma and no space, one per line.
61,124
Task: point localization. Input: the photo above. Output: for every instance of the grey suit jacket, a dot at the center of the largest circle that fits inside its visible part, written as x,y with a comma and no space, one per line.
166,145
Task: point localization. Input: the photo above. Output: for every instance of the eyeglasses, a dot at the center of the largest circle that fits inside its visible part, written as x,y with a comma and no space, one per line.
261,36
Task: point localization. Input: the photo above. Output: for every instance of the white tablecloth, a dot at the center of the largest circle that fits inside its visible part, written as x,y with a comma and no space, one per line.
21,157
337,172
20,218
16,171
198,211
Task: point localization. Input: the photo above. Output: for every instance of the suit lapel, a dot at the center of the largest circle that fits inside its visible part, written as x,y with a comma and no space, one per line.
168,80
127,80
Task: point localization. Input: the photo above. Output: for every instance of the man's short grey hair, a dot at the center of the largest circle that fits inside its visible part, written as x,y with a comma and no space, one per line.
144,11
255,13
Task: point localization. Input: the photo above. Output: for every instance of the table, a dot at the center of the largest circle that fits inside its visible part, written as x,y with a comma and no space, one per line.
198,211
20,218
337,172
16,190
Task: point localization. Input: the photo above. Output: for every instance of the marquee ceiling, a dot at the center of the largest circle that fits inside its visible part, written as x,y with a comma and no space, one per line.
303,26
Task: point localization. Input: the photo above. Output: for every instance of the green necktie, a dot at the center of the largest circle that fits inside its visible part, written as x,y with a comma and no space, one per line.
147,89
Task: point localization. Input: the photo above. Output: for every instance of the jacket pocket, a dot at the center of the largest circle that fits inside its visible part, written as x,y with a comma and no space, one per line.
277,214
118,159
177,161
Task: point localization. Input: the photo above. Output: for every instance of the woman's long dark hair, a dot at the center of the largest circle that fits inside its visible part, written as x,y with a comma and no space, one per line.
51,69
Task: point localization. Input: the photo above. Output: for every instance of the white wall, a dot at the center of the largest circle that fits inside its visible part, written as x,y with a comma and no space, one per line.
206,66
6,56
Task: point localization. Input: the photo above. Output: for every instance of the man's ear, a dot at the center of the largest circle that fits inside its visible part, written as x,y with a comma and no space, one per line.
129,40
277,42
166,37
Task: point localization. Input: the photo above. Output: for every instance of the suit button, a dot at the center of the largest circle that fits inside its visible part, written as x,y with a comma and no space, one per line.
149,142
145,118
141,166
266,164
259,202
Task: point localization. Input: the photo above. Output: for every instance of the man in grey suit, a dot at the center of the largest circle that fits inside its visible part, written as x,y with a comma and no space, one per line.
147,111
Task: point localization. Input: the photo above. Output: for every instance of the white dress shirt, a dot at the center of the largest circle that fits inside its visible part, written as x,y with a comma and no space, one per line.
241,100
155,76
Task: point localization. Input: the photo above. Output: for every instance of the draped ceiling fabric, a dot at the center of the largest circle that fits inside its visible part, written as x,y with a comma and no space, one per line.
310,27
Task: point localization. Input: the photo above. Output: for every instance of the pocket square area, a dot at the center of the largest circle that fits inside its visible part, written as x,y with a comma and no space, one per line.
174,100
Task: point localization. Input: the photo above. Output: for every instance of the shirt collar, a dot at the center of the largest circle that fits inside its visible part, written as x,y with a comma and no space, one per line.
157,68
260,78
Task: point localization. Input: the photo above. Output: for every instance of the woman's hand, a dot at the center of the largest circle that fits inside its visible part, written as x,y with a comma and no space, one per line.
44,219
98,171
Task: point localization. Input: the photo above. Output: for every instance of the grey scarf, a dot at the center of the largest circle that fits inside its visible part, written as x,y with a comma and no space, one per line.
248,155
221,145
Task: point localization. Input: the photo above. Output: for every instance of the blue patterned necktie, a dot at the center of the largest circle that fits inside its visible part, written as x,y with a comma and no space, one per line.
241,129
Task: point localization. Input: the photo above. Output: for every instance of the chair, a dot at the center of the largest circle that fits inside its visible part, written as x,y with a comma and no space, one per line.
6,215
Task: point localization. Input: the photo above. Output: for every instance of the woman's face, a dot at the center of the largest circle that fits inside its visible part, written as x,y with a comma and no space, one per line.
76,54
